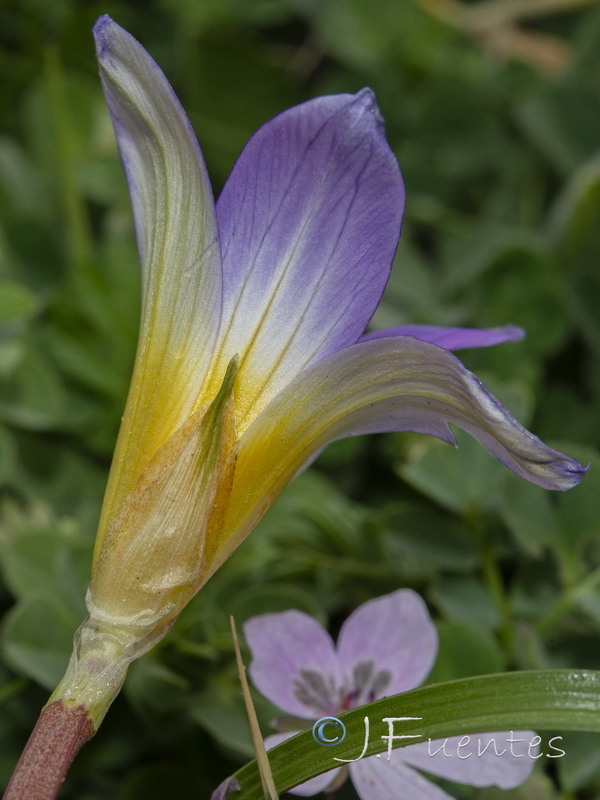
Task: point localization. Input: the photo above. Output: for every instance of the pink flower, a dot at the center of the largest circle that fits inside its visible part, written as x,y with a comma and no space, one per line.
385,647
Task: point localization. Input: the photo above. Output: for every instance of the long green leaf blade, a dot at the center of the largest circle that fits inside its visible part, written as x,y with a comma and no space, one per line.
556,700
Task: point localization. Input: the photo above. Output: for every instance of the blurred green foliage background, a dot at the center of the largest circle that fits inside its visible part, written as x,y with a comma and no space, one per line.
493,109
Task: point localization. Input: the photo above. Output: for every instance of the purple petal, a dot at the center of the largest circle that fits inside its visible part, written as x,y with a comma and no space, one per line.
403,384
452,338
294,663
397,384
379,779
177,236
503,759
312,786
396,635
309,223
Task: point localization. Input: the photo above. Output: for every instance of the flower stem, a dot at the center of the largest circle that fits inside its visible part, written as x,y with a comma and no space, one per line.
59,734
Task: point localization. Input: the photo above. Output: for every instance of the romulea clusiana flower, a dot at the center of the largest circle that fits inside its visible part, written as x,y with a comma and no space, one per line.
251,357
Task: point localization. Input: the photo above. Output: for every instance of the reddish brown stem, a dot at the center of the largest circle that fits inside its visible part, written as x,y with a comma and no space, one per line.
59,734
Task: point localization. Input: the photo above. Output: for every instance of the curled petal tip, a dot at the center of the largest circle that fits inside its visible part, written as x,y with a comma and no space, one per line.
101,24
511,333
366,98
521,451
101,31
569,473
114,43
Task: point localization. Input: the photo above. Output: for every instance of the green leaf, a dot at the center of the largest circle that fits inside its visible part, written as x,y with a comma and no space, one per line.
19,179
44,557
268,599
574,219
411,293
573,226
35,396
36,563
524,286
562,122
7,455
222,713
11,353
38,638
460,480
581,761
547,700
428,540
466,599
465,650
158,696
579,510
530,515
17,303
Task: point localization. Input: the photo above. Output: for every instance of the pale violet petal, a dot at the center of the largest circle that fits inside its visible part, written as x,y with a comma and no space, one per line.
226,790
294,663
397,384
315,785
400,384
312,786
502,759
278,738
452,338
309,222
376,778
393,639
177,237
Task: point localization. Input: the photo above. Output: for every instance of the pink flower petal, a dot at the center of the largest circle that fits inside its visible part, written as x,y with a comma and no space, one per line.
480,759
294,663
314,785
379,779
395,633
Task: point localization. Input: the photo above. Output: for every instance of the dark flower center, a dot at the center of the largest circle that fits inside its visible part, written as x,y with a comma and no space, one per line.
366,685
319,692
315,690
